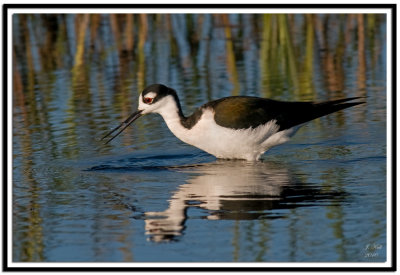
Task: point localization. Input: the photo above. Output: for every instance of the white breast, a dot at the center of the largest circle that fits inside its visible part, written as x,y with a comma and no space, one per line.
224,142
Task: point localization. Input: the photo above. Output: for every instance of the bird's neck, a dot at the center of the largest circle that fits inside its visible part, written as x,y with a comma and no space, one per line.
172,114
176,121
171,109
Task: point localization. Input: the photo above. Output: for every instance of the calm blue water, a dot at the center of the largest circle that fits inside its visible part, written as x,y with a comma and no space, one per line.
147,196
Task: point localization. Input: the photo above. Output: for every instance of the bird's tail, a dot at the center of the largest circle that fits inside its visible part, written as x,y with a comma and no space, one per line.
302,112
328,107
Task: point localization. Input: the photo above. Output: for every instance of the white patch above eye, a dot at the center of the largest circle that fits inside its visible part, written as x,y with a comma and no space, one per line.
151,95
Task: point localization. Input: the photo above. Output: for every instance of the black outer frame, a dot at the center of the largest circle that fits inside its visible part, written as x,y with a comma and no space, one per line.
392,7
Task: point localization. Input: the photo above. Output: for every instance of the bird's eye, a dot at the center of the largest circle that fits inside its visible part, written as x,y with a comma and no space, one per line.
148,100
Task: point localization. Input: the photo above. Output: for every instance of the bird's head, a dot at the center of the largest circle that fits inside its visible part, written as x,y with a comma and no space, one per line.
156,98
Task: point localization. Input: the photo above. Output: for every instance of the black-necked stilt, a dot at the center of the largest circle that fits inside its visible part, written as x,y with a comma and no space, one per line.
236,127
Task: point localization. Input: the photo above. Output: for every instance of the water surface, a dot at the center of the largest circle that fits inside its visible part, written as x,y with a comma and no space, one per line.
148,197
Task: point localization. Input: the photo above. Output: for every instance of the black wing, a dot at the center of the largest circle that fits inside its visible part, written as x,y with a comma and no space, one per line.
244,112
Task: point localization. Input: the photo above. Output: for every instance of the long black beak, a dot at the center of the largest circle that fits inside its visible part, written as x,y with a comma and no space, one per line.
124,124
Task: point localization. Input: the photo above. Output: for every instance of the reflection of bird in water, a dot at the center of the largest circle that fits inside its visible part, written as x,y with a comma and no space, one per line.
236,127
236,190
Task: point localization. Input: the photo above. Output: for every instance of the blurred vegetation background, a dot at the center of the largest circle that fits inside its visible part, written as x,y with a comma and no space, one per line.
74,74
96,64
277,51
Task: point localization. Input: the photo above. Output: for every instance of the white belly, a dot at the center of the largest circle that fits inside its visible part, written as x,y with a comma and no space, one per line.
227,143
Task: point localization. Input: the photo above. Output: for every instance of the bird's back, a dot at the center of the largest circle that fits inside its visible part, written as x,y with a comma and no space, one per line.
242,112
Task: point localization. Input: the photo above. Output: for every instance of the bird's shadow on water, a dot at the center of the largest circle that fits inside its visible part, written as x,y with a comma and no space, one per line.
225,189
143,163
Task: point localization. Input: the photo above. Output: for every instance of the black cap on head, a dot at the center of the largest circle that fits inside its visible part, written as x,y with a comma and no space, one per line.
160,90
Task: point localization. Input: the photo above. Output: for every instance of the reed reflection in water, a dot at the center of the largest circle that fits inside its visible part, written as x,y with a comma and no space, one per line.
75,76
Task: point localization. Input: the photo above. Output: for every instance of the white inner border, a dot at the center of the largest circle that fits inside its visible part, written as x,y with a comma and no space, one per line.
228,10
